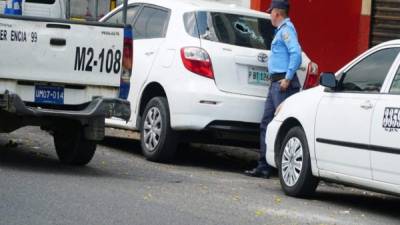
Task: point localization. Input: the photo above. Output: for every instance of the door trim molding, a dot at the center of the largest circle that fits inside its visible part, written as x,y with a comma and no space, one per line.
366,147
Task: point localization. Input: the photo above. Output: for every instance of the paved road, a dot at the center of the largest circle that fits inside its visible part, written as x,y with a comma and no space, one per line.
204,186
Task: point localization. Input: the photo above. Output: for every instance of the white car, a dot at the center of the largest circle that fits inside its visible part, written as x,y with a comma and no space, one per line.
200,73
347,130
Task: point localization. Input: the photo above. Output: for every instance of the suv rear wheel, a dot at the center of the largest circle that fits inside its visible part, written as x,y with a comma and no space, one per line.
159,142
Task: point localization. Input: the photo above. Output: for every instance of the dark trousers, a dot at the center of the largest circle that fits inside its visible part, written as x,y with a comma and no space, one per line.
274,99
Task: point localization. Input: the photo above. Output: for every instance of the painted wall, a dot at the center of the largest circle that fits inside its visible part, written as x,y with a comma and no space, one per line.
331,32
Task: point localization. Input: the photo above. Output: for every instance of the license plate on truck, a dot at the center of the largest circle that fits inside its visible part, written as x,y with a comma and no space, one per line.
49,94
258,76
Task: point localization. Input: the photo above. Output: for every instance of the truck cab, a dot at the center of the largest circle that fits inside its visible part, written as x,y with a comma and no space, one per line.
41,8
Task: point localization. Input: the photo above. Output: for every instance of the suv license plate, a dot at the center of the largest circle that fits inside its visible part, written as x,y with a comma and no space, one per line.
258,77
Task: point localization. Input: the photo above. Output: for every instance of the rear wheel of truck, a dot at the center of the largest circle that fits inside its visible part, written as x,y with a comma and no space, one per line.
73,148
159,142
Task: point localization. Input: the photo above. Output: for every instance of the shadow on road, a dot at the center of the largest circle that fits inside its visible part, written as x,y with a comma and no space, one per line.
22,158
220,158
236,160
226,159
384,205
123,144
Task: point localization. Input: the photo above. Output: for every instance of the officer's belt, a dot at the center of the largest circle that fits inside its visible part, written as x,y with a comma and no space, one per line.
277,76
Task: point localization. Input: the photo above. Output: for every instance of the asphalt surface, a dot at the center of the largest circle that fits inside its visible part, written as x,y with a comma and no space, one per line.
204,185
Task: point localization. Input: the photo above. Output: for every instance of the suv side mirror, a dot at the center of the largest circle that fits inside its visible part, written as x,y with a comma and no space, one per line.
328,80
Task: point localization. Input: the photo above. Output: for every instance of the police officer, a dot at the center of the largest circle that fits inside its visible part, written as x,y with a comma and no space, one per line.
284,61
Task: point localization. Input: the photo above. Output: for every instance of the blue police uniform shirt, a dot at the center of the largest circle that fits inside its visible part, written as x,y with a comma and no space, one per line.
286,51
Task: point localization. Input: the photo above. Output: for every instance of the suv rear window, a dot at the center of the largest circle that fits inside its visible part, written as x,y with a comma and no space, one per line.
233,29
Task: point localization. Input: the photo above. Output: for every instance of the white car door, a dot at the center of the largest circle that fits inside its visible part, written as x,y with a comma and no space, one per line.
149,30
149,25
116,17
385,134
344,116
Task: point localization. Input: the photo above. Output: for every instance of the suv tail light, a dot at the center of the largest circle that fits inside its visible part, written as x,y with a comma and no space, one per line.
127,63
198,61
312,77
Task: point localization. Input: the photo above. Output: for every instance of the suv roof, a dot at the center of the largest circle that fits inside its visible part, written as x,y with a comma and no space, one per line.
392,42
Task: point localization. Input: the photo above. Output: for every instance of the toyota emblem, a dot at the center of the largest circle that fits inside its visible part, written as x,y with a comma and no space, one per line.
262,57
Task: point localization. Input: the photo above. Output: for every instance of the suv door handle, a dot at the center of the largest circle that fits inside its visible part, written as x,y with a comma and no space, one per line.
367,105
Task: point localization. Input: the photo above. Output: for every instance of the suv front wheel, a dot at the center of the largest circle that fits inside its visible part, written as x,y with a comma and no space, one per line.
294,167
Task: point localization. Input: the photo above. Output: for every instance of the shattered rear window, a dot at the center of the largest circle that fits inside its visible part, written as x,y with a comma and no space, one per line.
233,29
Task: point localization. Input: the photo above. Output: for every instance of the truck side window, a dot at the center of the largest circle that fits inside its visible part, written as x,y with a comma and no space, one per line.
117,17
151,23
395,89
369,74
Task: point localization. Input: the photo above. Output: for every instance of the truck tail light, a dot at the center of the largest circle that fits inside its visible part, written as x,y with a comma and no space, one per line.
198,61
312,77
127,63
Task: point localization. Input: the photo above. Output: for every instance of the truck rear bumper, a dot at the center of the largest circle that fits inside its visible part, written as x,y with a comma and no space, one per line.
99,107
14,114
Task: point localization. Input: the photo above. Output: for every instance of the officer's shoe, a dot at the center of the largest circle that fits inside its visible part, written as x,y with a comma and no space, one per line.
256,172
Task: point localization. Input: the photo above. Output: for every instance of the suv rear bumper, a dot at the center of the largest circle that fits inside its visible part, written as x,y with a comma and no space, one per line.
230,133
203,103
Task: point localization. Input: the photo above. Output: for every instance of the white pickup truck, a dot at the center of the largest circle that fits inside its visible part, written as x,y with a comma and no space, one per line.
65,77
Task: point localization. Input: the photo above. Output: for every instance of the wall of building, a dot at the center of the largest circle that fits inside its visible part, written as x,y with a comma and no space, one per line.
331,32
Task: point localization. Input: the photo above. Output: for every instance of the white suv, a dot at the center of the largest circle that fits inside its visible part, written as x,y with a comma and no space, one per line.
199,73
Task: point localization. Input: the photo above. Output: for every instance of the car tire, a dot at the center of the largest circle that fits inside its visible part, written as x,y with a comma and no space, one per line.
159,142
294,165
73,148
